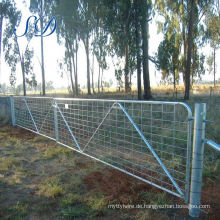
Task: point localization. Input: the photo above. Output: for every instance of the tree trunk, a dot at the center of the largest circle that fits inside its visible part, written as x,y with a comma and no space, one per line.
71,75
21,57
138,50
184,49
174,81
42,51
174,74
88,64
102,81
93,89
126,71
189,49
214,67
23,75
1,26
99,80
144,27
70,56
76,75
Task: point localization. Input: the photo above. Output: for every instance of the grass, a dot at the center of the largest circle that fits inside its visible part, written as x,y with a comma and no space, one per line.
51,188
10,163
55,151
16,212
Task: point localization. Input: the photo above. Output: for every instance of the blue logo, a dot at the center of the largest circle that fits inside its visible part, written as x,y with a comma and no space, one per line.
36,21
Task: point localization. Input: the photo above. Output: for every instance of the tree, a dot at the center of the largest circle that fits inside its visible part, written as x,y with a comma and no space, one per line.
137,36
212,34
168,58
119,23
184,17
7,12
189,48
68,32
14,55
38,6
145,13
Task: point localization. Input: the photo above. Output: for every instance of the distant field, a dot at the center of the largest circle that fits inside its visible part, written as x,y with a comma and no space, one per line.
164,90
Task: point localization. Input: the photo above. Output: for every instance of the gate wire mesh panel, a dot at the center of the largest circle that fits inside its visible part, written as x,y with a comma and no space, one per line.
41,111
115,132
103,131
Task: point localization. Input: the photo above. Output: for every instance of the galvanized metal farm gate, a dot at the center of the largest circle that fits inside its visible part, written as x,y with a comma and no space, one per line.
149,140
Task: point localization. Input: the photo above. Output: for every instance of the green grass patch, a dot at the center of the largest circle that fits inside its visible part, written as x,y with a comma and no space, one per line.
16,212
51,188
10,163
56,151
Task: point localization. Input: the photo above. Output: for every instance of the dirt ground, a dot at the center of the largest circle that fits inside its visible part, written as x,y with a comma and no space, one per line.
40,179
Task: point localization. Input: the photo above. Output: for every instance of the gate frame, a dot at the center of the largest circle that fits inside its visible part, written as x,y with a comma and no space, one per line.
188,147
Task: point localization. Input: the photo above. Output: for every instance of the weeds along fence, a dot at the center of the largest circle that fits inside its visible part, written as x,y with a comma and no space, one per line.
149,140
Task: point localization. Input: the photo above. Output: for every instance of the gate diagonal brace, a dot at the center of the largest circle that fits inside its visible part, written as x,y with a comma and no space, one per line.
152,150
67,125
109,111
144,139
30,115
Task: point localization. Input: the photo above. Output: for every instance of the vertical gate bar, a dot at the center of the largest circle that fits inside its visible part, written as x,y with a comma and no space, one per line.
12,110
189,152
56,122
197,159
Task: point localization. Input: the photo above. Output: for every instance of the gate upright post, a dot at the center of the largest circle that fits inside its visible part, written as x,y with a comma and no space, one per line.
197,159
56,121
12,110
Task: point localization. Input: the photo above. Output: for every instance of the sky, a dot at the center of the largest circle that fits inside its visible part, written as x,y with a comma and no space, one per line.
54,53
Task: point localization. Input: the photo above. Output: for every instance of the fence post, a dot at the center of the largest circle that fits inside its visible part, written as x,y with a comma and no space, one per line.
56,121
12,110
197,159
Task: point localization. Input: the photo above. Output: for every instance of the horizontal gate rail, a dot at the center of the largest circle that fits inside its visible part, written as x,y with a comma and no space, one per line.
149,140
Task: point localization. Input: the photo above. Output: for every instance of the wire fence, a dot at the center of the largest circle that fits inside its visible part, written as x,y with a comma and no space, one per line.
149,140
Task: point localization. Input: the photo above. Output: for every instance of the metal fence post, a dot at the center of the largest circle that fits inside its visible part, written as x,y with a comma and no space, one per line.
197,159
12,110
56,121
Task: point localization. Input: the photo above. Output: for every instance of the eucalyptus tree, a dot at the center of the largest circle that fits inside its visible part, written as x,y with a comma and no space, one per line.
15,55
146,12
7,15
85,12
100,41
118,22
168,58
68,34
138,52
99,48
184,17
212,34
39,6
